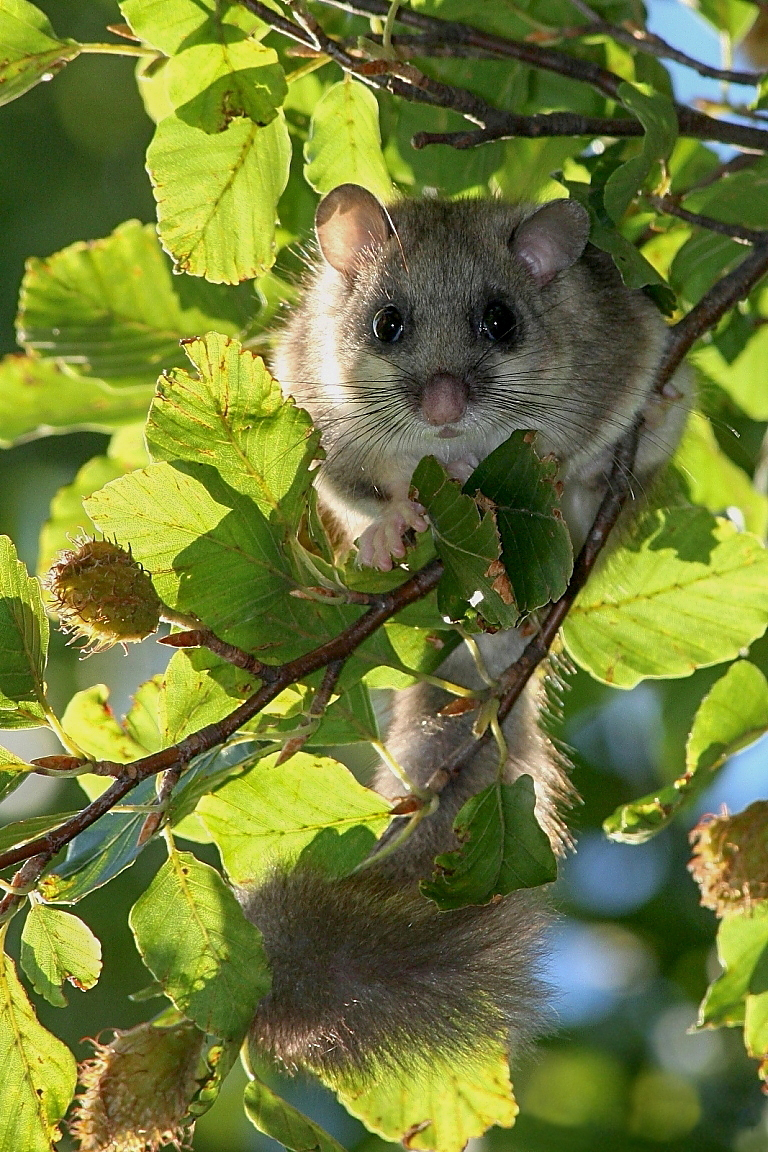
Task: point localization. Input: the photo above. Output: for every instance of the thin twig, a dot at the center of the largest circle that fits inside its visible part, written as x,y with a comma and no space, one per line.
670,207
648,42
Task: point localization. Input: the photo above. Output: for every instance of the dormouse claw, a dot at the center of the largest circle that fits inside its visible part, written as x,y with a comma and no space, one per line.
383,539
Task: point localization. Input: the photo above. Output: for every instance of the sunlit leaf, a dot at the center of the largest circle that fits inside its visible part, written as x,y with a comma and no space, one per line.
447,1105
37,398
712,479
171,25
198,689
211,83
344,145
732,715
112,309
217,195
742,940
196,942
274,812
39,1072
744,380
57,946
655,607
23,633
30,49
231,414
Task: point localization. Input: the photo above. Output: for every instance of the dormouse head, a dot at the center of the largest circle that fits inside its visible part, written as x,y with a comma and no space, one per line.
452,323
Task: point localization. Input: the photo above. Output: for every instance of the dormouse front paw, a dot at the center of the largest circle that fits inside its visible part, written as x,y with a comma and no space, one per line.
461,470
383,539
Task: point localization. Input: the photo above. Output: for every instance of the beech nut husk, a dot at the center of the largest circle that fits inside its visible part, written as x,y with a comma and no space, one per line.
102,595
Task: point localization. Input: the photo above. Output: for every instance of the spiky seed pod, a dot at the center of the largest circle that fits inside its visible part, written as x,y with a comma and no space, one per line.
730,859
102,594
137,1090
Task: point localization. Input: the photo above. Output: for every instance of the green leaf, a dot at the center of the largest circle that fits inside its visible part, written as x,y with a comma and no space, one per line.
68,519
742,939
756,1025
745,379
23,633
112,309
274,812
19,831
344,144
468,547
443,1108
30,50
636,271
701,261
731,16
349,720
217,195
657,115
503,848
535,543
196,942
172,25
231,414
207,773
713,480
37,398
11,763
210,84
92,724
39,1072
57,946
655,608
100,853
198,689
275,1117
732,715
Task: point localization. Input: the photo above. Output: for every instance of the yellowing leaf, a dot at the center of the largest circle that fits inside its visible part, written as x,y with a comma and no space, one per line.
344,145
442,1108
39,1072
217,195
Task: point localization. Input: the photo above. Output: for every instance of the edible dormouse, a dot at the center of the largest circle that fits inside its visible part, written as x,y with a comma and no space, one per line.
440,327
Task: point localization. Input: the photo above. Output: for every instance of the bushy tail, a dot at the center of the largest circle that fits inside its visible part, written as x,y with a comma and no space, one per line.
368,974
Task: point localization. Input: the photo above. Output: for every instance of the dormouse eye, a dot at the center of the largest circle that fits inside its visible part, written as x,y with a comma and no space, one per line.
387,324
498,321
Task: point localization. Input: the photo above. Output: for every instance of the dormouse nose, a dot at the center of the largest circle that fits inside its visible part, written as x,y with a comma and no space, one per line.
443,399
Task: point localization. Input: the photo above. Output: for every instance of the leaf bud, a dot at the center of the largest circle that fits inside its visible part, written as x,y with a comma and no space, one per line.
730,861
138,1088
102,594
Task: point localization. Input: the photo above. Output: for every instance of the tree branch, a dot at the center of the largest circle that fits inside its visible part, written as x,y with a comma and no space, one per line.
691,122
403,80
668,206
332,652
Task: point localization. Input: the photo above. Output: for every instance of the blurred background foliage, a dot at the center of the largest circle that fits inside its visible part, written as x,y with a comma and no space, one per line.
632,951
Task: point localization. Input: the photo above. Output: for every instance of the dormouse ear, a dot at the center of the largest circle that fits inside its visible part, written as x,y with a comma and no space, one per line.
552,239
349,220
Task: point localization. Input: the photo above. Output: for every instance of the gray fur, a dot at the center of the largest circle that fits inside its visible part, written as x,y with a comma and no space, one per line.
583,367
367,973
